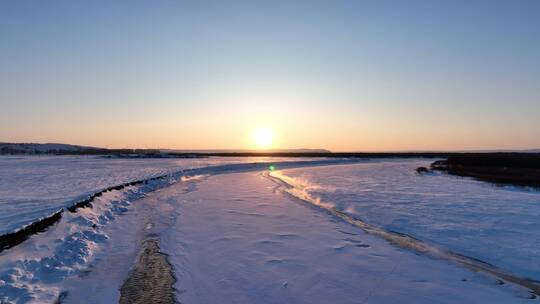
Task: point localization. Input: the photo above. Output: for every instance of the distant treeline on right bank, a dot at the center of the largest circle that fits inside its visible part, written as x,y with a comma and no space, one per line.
502,168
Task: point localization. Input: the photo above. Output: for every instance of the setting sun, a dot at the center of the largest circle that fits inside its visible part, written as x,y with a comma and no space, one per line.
262,137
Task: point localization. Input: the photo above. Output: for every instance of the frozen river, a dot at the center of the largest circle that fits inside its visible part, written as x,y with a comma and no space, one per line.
235,232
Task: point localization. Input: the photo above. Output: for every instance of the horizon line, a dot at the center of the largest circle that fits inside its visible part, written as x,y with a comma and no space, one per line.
282,150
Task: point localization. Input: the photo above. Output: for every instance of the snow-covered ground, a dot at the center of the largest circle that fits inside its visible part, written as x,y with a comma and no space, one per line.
498,225
32,187
237,238
234,234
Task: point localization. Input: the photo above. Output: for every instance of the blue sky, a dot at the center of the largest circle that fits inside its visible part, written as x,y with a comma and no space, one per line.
342,75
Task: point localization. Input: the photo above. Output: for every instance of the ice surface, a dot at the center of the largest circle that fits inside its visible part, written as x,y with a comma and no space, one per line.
498,225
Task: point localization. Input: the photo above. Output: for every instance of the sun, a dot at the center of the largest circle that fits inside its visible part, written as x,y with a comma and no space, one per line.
263,137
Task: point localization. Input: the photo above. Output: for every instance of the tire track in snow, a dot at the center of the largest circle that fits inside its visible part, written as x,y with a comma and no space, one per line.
151,280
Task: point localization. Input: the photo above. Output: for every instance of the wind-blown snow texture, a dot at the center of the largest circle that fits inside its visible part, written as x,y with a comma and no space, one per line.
498,225
237,240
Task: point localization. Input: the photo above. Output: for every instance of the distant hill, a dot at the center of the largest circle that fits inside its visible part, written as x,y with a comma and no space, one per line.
66,149
48,148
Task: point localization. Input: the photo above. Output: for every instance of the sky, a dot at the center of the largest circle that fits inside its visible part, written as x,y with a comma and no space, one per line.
340,75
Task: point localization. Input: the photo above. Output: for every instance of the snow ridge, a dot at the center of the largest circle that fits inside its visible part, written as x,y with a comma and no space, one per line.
68,247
